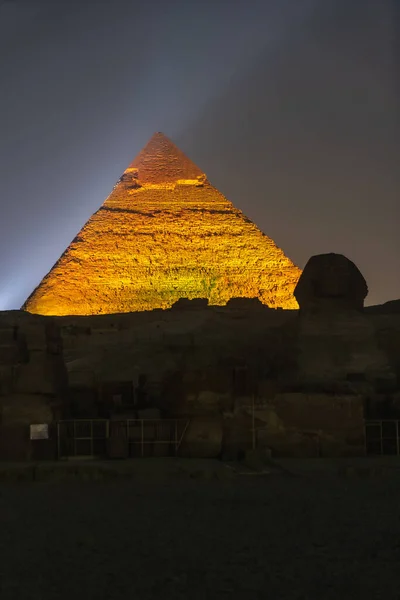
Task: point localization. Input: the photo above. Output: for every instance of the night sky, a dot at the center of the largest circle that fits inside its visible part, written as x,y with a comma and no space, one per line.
289,106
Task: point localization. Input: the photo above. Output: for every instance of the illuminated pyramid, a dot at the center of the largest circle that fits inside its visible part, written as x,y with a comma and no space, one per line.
164,233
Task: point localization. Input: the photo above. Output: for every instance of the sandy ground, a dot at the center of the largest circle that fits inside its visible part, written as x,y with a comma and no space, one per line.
272,536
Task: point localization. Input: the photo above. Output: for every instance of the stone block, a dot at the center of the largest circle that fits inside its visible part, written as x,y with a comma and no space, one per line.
190,304
7,336
202,439
9,354
7,379
336,446
149,413
292,444
208,399
319,412
246,304
26,409
84,378
178,340
35,337
14,446
35,377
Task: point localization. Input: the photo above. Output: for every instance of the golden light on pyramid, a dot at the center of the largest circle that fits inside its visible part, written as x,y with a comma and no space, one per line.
164,233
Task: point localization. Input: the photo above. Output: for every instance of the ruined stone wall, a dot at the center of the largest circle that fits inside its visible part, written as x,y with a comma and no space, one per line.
308,373
340,347
165,341
33,379
313,425
303,370
205,344
387,333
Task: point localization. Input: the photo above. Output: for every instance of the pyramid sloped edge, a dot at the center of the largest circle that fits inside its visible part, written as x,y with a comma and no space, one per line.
201,237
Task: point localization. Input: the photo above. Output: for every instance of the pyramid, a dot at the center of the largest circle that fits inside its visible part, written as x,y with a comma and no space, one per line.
164,233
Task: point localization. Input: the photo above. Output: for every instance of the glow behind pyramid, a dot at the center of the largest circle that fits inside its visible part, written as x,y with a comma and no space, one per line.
164,233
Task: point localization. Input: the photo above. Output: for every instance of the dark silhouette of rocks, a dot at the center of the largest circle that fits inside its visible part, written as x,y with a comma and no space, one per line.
292,382
331,281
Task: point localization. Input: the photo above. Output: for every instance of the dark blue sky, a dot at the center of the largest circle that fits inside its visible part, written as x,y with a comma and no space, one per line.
290,107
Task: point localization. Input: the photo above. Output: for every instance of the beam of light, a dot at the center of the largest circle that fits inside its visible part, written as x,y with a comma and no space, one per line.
9,296
80,153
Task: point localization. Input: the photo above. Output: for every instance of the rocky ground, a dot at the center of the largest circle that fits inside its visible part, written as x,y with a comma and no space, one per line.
274,536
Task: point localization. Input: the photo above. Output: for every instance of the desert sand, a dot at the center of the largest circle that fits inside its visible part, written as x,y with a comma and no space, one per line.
275,536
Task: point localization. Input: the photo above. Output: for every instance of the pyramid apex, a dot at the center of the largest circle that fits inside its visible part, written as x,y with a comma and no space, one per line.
161,161
159,135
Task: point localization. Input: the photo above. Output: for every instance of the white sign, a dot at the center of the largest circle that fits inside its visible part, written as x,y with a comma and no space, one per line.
39,432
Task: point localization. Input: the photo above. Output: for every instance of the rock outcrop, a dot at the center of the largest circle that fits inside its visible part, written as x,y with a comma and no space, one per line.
163,234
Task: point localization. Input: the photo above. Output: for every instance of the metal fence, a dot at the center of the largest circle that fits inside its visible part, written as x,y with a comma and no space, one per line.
382,437
100,438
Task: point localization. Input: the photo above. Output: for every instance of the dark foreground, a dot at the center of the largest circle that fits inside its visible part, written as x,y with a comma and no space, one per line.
274,536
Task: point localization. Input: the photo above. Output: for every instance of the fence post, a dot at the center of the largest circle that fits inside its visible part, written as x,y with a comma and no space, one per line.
91,438
253,429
